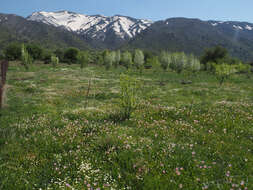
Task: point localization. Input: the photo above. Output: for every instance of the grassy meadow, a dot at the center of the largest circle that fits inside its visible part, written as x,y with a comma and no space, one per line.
60,129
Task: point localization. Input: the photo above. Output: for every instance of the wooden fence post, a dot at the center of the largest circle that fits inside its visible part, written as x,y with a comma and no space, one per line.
4,68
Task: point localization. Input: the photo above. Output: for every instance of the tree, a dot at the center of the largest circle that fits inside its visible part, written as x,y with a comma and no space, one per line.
71,55
126,59
139,60
117,58
165,60
109,59
193,64
83,59
60,54
13,52
178,62
35,51
216,55
25,57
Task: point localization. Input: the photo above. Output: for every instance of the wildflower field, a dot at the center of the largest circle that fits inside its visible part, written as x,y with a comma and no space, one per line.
61,129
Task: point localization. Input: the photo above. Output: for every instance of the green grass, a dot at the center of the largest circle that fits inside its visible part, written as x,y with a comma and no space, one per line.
55,136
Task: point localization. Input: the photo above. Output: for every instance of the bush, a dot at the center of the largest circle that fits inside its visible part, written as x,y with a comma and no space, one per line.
47,57
217,55
71,55
223,71
54,60
35,51
129,94
13,52
60,54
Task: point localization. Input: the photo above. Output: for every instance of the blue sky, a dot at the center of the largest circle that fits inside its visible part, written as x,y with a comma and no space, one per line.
240,10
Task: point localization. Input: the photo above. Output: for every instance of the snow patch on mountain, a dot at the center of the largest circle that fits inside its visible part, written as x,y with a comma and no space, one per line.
123,27
237,27
247,27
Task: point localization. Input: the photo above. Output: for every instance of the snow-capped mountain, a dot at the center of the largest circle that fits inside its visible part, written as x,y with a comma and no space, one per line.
96,26
233,25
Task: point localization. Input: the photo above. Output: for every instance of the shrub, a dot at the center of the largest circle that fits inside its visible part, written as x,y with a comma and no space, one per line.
214,55
13,52
71,55
26,58
54,60
223,71
60,54
129,94
35,51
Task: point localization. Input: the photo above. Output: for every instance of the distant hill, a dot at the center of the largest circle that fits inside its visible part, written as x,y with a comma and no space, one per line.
16,28
194,35
65,29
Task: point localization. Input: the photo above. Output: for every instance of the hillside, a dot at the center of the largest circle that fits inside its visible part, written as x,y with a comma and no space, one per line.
194,35
16,28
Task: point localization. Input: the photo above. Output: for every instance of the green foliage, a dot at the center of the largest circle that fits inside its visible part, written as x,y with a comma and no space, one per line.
215,55
193,64
13,52
35,51
139,60
71,55
165,60
25,57
83,59
243,68
178,62
54,60
109,59
224,71
47,56
117,58
129,88
154,63
126,59
60,54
